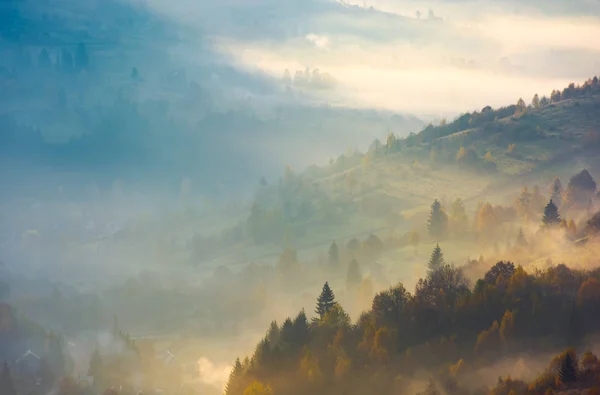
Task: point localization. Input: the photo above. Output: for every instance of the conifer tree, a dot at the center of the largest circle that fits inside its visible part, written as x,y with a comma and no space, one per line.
551,215
567,372
353,277
334,254
325,301
6,382
287,331
436,261
273,333
437,223
233,384
300,328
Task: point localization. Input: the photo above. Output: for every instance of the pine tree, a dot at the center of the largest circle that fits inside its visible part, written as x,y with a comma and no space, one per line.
273,333
6,382
300,328
436,261
334,254
287,331
437,222
551,215
567,372
353,277
233,384
325,301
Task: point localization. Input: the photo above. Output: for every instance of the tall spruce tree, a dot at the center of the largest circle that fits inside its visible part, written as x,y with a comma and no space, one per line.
437,261
567,371
551,215
6,382
233,384
437,223
325,301
300,328
334,254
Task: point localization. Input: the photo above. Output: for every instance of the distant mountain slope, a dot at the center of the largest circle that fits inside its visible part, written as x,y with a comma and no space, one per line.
100,90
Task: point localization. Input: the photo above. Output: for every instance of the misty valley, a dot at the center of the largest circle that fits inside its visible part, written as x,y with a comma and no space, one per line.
222,199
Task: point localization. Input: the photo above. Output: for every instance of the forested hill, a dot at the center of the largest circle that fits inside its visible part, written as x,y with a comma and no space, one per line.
454,332
518,137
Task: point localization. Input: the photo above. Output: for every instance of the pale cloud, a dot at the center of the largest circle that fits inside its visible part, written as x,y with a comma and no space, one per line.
321,42
473,53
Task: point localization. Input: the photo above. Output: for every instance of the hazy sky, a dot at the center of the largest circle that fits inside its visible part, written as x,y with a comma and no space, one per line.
456,55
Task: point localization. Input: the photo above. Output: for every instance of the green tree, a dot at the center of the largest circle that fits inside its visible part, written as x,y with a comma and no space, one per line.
388,306
273,333
437,223
353,277
334,254
325,301
233,384
300,328
551,215
437,261
6,382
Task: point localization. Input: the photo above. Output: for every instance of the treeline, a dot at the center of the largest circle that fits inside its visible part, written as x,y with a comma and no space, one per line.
488,114
556,207
444,326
